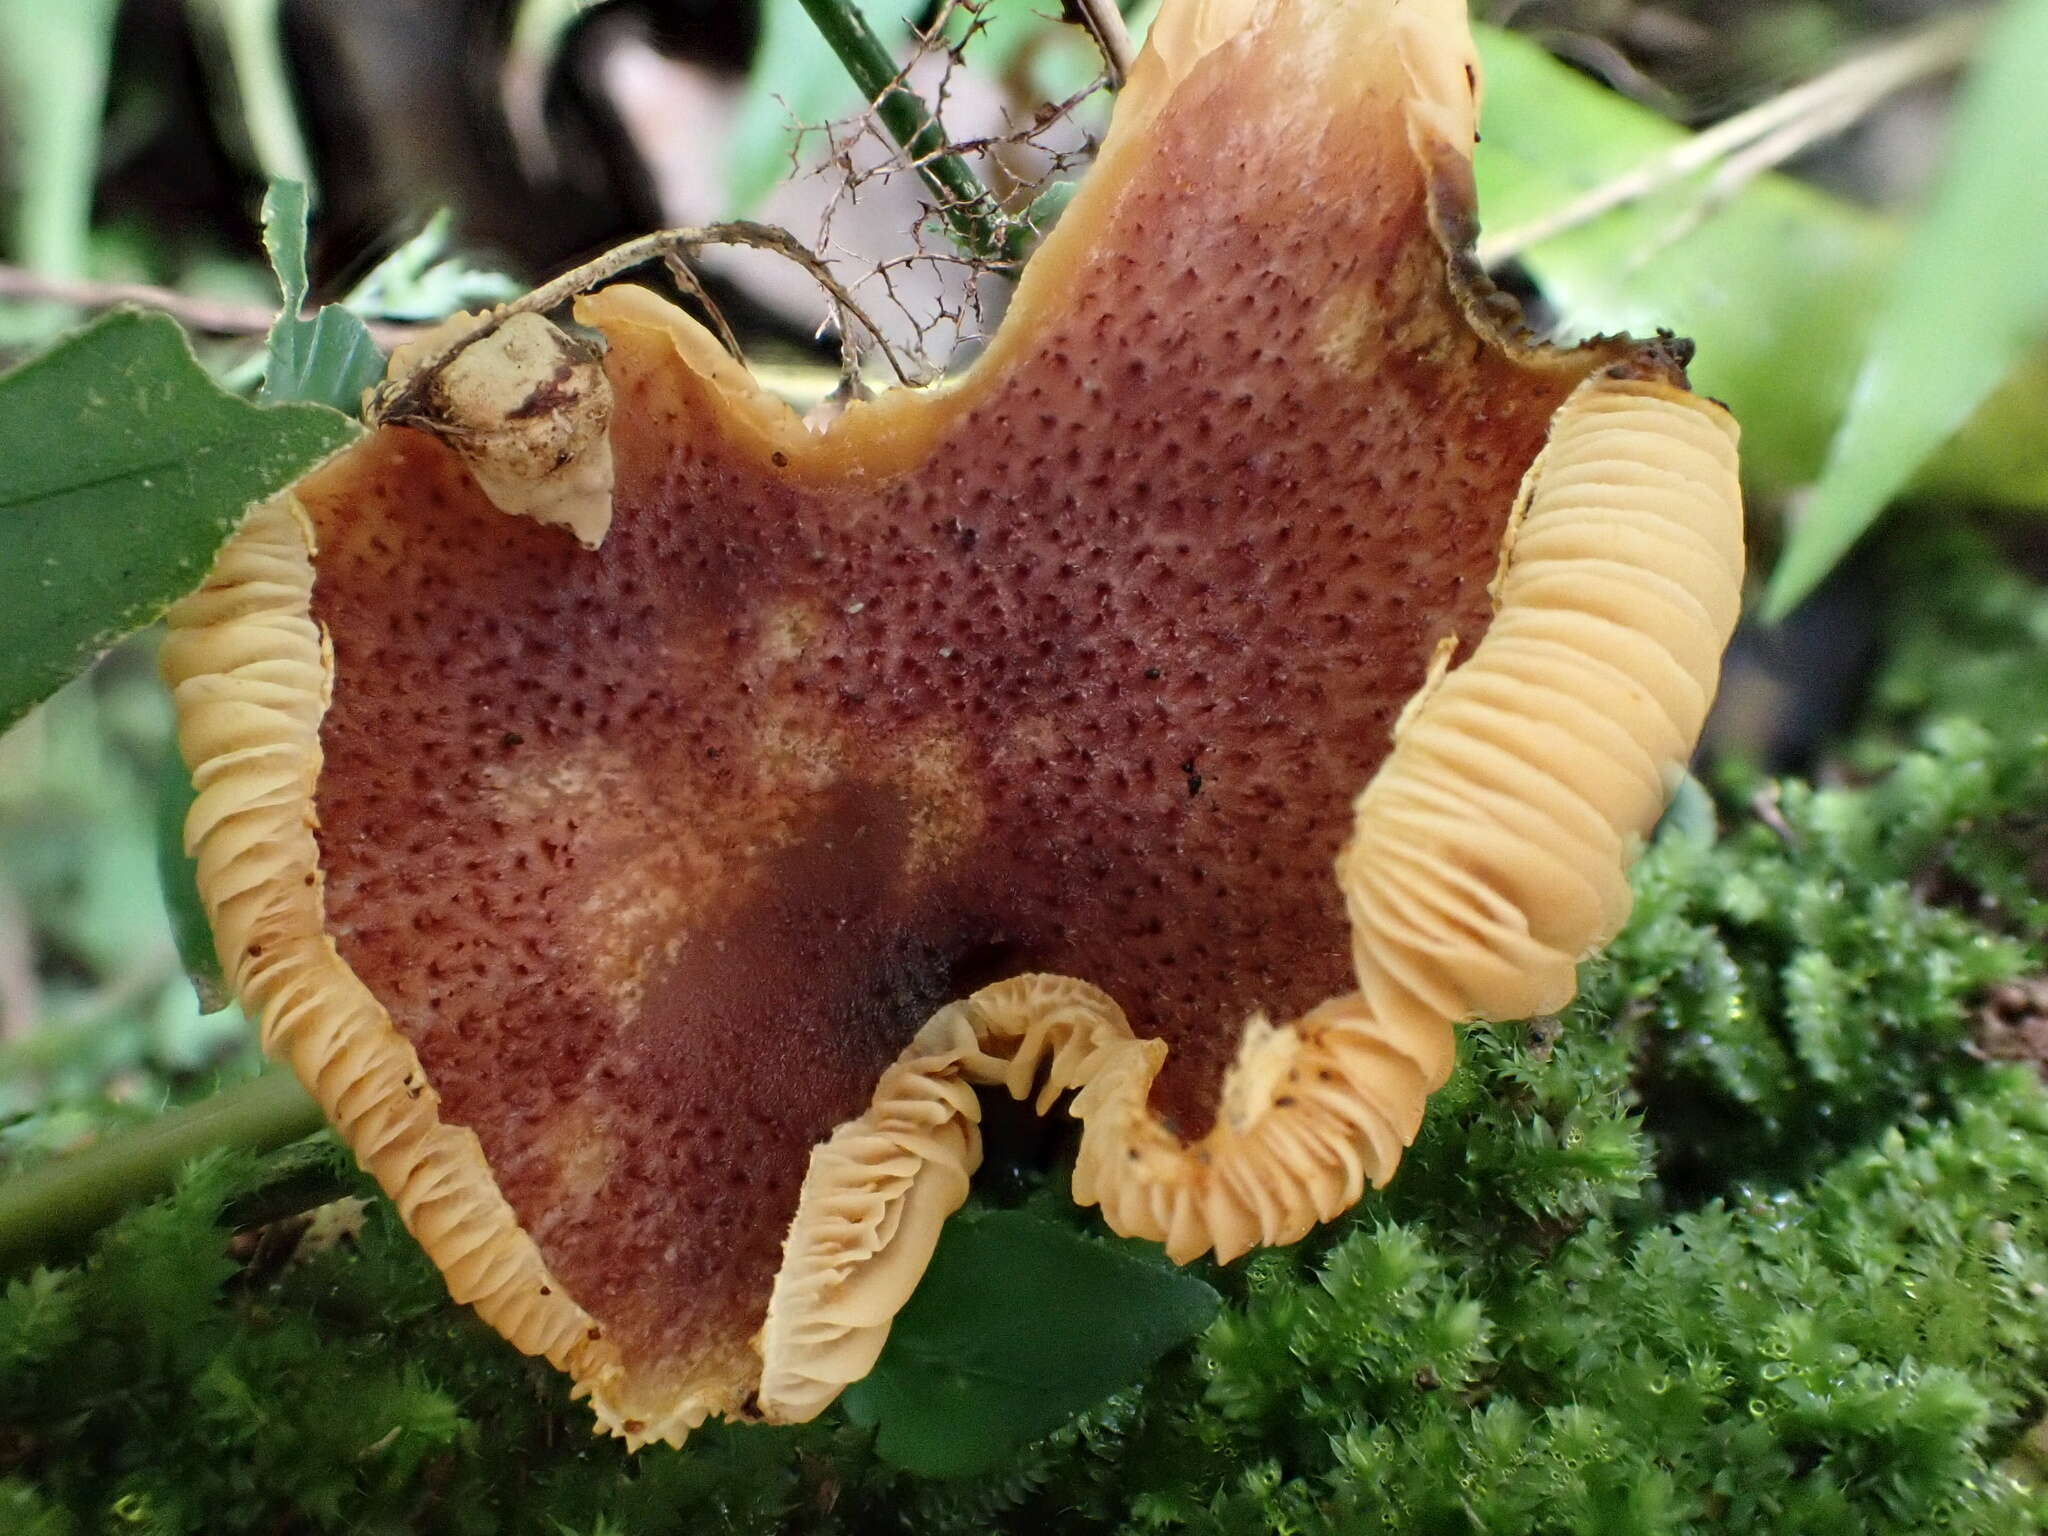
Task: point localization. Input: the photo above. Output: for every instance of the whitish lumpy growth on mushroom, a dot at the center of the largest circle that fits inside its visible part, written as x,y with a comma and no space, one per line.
659,854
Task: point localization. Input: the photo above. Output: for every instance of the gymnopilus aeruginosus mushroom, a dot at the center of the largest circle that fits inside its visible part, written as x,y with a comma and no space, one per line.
1263,658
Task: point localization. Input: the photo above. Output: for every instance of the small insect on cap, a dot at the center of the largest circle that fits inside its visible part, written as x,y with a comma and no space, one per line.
1262,659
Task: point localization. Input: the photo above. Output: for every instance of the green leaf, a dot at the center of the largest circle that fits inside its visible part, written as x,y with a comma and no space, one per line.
796,80
421,282
1968,300
1773,288
123,469
1690,815
1018,1325
242,46
178,874
1777,285
1047,207
53,86
330,358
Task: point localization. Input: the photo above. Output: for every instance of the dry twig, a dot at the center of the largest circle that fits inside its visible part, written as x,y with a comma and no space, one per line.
1045,146
399,399
964,203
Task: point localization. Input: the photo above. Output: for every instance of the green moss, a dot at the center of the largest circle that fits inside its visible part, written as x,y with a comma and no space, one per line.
1748,1240
1795,988
1966,634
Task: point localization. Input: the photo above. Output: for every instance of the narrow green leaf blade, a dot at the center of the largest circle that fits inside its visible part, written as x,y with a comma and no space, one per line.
123,468
53,81
1775,287
178,875
1969,298
1018,1325
245,53
1778,284
284,242
53,87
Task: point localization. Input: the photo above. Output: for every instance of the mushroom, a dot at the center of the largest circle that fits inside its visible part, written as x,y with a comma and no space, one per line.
1264,658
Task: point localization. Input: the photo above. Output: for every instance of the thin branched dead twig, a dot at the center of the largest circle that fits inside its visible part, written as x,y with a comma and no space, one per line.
1027,155
1037,149
402,399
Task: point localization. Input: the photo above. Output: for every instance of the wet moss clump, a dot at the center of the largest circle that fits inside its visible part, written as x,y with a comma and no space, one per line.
1753,1238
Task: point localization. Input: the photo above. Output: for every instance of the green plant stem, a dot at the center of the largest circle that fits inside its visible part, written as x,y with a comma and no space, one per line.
969,209
48,1209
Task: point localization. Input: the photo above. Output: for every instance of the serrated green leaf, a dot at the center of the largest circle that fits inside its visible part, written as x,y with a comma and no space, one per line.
328,359
1778,284
284,242
1967,302
1018,1325
796,80
123,468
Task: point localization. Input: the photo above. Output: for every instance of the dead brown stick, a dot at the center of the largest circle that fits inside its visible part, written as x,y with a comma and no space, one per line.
214,317
398,399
